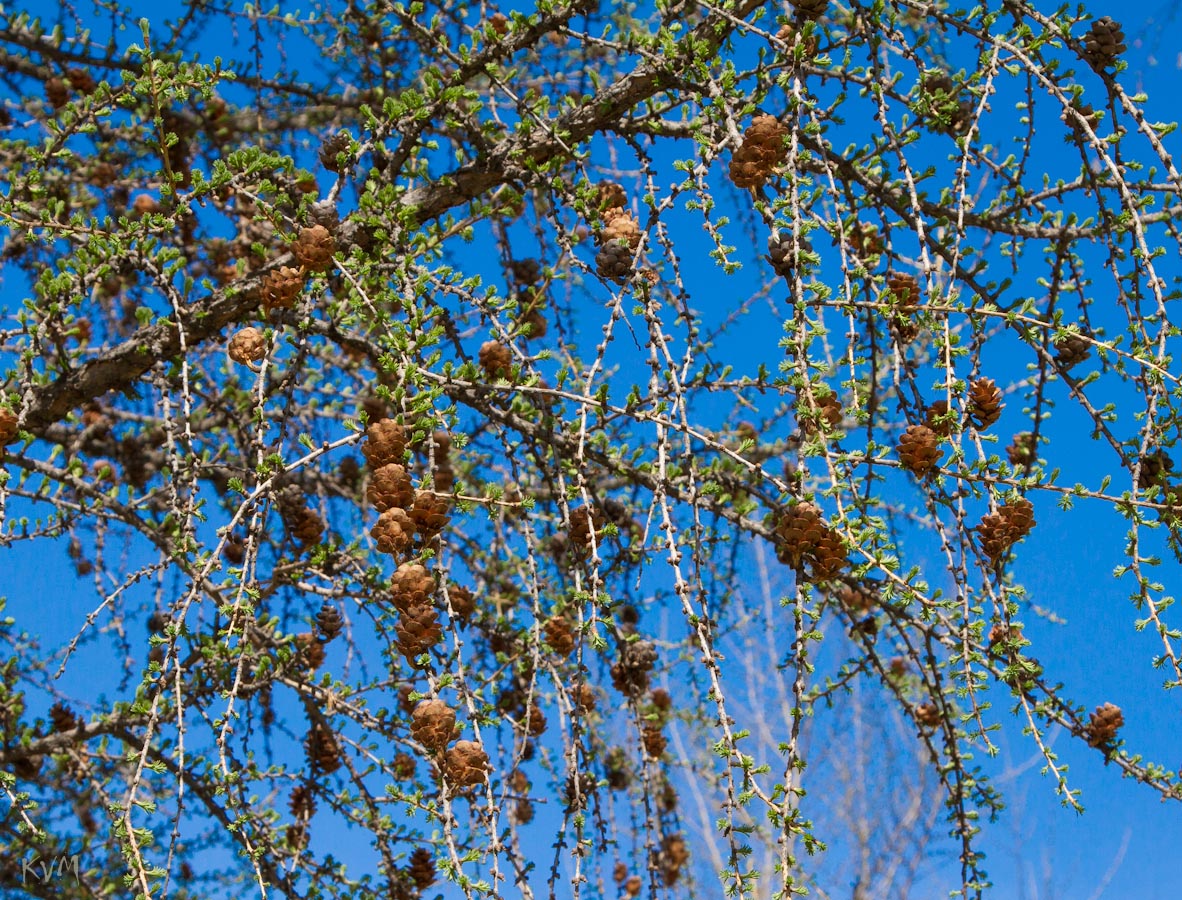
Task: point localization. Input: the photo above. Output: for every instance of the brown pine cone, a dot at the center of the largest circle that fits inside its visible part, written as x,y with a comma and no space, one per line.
56,92
535,721
857,598
782,257
390,487
799,529
609,195
432,724
81,80
305,525
1106,720
385,443
1001,530
314,247
333,147
937,419
411,585
532,324
324,753
763,149
523,812
559,635
828,558
248,345
462,600
328,622
579,789
496,359
865,239
1104,42
905,291
1022,451
824,414
404,766
393,532
302,803
672,857
618,225
810,10
310,652
1071,350
9,429
421,868
429,514
418,630
583,697
466,764
62,718
630,674
985,404
1155,470
281,288
1019,518
654,742
614,260
928,715
633,885
919,449
582,521
615,769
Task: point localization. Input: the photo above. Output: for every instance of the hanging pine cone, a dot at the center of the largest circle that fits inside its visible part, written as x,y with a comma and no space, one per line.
1001,530
579,789
559,635
583,521
762,150
302,803
857,598
937,419
615,769
281,288
1155,470
984,403
535,721
328,622
62,718
1104,43
466,764
654,742
618,225
1106,720
81,80
583,697
324,754
799,529
411,585
1023,450
823,415
418,630
630,674
609,195
1071,350
614,260
248,345
672,857
310,652
523,812
928,715
390,487
865,239
432,724
314,247
810,10
9,429
462,601
394,531
496,359
422,868
783,259
332,148
404,766
429,514
56,92
305,524
905,292
385,443
919,449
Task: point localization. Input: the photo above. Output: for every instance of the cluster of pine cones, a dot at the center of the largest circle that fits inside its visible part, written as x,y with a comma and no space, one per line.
405,511
618,235
433,724
999,531
804,540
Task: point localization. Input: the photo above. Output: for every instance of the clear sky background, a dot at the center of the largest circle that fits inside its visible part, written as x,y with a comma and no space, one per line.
1126,846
